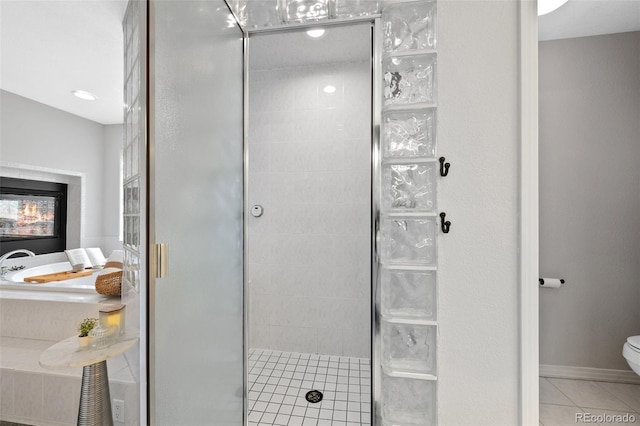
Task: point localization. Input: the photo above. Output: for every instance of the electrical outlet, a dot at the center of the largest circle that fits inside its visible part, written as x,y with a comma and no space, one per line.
118,410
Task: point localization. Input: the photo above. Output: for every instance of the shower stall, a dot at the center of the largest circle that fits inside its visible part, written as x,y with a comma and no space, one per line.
292,217
308,234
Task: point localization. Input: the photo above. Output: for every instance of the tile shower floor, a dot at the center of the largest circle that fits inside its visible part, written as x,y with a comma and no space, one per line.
279,381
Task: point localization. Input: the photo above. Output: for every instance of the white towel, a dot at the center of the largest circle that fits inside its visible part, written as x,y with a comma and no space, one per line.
116,256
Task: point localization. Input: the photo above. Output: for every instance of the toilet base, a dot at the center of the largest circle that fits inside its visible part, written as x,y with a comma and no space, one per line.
632,356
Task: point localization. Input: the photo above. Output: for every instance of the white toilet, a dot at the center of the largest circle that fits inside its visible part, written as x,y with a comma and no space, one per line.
631,352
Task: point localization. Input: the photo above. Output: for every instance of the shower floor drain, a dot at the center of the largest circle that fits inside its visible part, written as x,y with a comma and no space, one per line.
314,396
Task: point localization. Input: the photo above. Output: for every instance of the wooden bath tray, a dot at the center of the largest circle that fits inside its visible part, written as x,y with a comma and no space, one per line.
57,276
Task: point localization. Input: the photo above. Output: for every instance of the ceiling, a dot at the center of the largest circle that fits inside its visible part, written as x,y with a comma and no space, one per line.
581,18
51,47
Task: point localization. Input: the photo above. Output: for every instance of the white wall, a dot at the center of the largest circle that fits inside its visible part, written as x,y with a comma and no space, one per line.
111,187
478,132
589,198
310,168
40,136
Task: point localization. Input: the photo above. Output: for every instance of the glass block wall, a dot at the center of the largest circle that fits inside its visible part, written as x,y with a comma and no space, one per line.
134,145
254,14
407,278
134,189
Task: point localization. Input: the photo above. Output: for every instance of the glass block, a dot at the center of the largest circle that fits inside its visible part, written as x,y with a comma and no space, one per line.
408,294
409,80
135,153
126,29
127,61
135,81
408,401
135,120
128,91
239,8
126,262
131,268
408,240
132,197
135,196
127,199
258,14
127,162
127,126
409,134
409,348
409,26
127,230
353,8
306,10
135,42
135,232
409,186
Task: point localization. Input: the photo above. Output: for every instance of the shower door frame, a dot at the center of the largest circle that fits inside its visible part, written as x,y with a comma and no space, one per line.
376,119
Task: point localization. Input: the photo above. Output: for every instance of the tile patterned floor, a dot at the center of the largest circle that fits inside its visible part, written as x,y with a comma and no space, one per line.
570,402
279,381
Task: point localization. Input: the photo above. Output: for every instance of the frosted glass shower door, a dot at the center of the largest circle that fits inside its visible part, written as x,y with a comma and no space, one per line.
196,164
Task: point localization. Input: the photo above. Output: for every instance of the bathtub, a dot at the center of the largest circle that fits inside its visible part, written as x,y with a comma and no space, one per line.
15,280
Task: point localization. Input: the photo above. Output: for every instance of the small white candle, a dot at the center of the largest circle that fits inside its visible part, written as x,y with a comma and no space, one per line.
112,316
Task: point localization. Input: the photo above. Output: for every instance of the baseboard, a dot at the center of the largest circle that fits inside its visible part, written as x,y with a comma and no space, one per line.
586,373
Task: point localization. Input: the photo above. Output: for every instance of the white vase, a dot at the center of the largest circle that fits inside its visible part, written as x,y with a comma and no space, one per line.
83,342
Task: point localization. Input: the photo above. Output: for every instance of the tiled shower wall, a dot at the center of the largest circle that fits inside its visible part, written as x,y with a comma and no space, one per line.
309,167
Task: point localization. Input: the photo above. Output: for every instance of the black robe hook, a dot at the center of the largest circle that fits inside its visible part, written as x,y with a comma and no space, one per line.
444,167
446,225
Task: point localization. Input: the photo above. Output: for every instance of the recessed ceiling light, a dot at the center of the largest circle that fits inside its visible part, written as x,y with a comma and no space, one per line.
84,95
329,89
548,6
318,32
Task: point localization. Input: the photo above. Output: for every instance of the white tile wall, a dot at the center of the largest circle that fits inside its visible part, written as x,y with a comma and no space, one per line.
45,320
309,167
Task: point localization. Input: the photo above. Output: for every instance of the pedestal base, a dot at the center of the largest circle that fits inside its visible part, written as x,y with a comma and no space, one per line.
95,400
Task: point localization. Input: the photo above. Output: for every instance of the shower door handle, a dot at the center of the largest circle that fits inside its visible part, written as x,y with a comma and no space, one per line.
161,263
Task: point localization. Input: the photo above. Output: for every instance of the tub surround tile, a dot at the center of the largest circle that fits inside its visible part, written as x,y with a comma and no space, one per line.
61,398
6,391
28,396
47,321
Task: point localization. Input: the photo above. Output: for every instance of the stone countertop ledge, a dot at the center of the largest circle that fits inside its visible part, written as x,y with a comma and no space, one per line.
67,354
